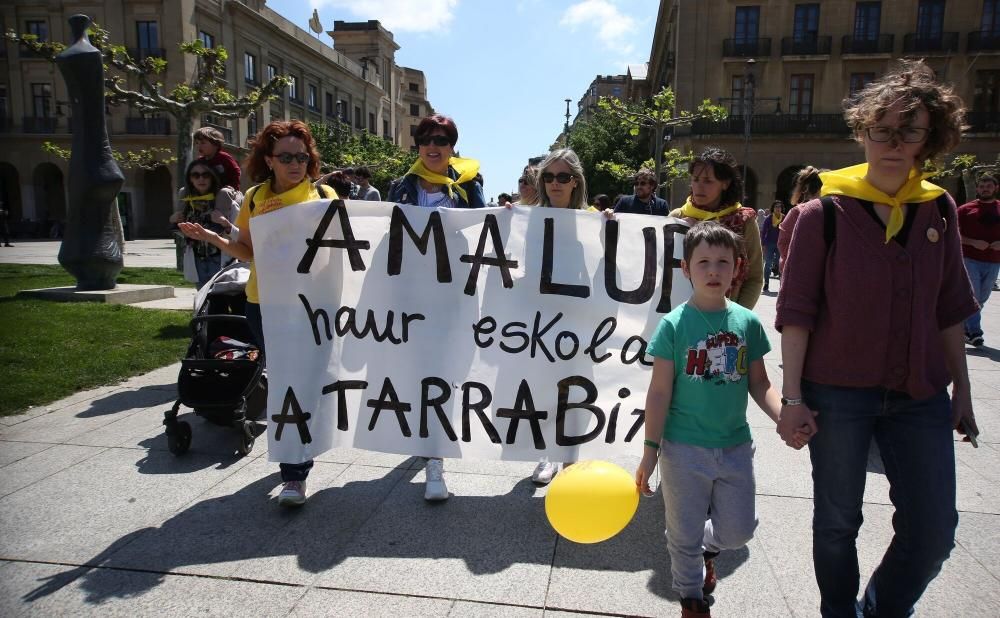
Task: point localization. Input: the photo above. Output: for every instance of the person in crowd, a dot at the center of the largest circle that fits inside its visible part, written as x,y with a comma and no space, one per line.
351,175
601,203
716,186
871,311
365,189
644,200
769,240
979,226
284,161
338,181
696,416
4,227
438,179
208,143
206,201
527,189
560,181
807,187
504,199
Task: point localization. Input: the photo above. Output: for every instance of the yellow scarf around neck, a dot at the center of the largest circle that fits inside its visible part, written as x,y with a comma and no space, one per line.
266,200
851,182
208,197
776,218
690,210
466,168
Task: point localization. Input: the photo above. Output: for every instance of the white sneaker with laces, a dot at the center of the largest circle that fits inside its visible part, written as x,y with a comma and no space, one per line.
434,487
293,493
544,472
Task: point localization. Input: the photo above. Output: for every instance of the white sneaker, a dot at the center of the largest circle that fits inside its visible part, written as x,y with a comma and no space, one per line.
434,486
544,472
293,493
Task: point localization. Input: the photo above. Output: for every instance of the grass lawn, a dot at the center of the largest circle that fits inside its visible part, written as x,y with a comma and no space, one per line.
50,350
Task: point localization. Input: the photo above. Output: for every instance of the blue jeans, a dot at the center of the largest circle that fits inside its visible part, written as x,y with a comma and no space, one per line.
982,275
289,472
770,261
207,267
915,439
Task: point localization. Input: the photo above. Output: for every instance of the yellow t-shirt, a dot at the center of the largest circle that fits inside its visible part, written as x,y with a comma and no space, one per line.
265,201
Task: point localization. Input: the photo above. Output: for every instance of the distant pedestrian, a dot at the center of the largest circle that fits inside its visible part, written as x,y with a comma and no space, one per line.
351,175
205,201
769,240
807,187
527,190
871,312
504,199
208,143
4,227
601,203
979,225
643,200
365,189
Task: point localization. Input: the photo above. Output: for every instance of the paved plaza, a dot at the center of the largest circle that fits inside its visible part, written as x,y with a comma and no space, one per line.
98,518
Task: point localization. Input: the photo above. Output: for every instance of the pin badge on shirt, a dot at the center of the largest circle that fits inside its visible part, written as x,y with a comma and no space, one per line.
932,234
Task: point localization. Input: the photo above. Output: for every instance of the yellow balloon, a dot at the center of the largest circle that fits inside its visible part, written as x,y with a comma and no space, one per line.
591,501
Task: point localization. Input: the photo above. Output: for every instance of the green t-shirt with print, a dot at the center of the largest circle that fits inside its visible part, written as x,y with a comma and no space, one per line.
712,352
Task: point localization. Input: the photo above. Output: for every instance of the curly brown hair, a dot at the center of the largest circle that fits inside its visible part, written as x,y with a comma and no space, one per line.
723,167
911,85
262,145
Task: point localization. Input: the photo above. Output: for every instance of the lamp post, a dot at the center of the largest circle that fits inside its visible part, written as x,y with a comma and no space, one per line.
566,127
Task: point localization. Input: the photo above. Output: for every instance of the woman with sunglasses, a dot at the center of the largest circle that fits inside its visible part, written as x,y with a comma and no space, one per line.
871,311
716,186
527,190
560,181
284,160
204,200
438,178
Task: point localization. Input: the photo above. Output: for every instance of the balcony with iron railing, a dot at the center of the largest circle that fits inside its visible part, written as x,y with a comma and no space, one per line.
147,126
39,124
944,43
140,53
806,46
746,48
881,44
983,41
773,124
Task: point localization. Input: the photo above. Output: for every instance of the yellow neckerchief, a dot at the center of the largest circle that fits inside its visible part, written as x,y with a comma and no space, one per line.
191,199
851,182
776,218
265,200
690,210
466,168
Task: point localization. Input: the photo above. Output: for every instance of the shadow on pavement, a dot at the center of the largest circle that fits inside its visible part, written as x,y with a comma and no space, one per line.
127,400
985,352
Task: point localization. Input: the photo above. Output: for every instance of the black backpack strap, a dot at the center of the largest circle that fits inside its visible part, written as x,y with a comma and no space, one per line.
829,220
248,198
944,207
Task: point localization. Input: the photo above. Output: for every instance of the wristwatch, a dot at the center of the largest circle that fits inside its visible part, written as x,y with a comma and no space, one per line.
794,401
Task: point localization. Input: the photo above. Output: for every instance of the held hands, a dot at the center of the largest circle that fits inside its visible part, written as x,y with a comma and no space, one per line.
796,425
645,471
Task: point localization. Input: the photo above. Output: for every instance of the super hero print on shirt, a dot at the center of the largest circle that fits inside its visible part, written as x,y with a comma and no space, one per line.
721,357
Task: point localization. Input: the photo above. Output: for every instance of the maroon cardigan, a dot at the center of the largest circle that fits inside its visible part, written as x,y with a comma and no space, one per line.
875,310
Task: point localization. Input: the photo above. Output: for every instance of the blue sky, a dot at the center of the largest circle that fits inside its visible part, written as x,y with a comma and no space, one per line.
502,69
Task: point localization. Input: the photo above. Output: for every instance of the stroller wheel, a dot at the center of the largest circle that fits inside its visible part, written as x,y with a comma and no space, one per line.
179,438
247,437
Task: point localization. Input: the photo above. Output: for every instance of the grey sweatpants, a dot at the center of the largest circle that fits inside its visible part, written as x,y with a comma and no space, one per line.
694,478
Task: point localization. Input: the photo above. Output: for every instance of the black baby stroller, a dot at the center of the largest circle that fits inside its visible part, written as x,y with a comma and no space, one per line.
222,377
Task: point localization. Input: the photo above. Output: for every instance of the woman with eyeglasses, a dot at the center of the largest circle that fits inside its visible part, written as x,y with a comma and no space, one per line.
871,311
526,187
284,161
204,200
560,181
438,178
716,187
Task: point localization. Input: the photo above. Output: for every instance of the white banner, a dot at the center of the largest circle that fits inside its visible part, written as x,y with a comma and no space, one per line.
487,333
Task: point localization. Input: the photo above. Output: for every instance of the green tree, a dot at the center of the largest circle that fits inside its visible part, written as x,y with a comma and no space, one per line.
186,101
608,151
339,147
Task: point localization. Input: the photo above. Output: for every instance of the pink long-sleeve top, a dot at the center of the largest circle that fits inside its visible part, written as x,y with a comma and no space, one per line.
875,310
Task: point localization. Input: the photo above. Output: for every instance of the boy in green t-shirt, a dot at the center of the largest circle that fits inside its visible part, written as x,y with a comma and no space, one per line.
708,357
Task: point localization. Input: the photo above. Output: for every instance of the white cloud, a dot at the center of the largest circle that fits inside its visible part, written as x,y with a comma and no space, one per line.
613,27
396,15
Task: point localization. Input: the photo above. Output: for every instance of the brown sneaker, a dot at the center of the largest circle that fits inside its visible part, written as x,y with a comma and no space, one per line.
695,608
710,579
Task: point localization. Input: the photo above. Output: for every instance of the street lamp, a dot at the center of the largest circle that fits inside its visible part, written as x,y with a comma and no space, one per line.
566,128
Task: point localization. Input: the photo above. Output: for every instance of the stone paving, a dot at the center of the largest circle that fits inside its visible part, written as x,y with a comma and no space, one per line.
98,518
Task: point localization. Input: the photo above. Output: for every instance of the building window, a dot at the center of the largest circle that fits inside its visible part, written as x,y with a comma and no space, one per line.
860,80
272,72
867,19
736,94
41,100
414,87
3,105
747,24
987,92
343,111
930,20
990,23
385,128
806,26
38,28
249,68
800,95
331,107
413,130
146,36
313,97
414,109
593,91
293,88
358,124
616,91
206,39
371,123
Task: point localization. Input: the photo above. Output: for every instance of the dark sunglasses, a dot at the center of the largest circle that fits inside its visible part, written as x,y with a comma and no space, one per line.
286,158
561,177
437,140
200,174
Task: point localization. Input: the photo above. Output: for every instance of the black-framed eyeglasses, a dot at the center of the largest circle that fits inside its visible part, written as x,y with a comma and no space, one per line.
438,140
908,135
197,175
562,177
286,158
